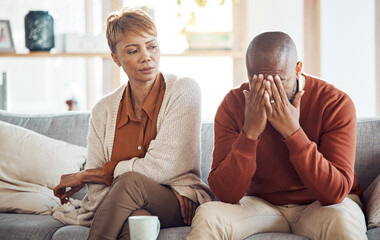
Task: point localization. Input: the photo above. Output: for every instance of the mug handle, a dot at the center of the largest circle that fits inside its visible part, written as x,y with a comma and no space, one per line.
158,227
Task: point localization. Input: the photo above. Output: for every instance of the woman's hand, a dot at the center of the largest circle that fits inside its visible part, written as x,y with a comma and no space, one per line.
73,181
188,207
76,181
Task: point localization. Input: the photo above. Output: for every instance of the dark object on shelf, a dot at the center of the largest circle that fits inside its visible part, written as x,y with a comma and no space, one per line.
39,31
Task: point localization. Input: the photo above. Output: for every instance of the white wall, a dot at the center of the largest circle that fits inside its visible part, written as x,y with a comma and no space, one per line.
348,50
277,15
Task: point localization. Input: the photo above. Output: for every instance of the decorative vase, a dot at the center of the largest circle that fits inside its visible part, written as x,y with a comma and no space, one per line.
39,31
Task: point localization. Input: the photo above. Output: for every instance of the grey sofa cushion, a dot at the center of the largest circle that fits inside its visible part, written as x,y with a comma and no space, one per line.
276,236
174,233
81,233
367,164
207,146
373,234
71,127
27,226
72,232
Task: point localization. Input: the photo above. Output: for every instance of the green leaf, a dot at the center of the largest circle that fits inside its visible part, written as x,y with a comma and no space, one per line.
192,19
201,3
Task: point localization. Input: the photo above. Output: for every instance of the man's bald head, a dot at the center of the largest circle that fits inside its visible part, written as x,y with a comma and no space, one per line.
271,51
274,53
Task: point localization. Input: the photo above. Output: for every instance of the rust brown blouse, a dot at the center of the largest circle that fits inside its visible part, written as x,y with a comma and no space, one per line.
134,133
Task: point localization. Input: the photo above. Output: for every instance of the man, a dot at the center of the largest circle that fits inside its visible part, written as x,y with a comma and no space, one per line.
281,164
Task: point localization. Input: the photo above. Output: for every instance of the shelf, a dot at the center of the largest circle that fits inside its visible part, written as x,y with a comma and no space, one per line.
191,53
48,54
203,53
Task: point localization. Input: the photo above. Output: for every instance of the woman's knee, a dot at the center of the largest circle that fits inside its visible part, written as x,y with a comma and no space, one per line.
130,181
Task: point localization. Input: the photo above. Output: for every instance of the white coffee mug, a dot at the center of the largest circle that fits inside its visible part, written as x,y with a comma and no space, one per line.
144,227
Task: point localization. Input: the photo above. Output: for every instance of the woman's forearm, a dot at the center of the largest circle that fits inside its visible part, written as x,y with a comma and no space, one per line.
94,175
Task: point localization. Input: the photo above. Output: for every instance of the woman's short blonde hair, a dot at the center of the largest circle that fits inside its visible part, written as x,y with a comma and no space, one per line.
128,19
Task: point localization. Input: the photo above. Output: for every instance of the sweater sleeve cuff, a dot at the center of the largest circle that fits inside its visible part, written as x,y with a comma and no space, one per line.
123,167
108,170
246,145
297,142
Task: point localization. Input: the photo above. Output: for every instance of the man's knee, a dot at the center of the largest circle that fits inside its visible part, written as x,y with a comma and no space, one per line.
339,217
209,212
345,221
207,222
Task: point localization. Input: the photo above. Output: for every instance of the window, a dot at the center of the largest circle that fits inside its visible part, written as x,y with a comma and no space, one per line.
213,73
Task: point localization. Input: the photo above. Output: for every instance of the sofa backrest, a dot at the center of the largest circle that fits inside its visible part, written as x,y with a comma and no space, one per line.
207,147
367,163
72,127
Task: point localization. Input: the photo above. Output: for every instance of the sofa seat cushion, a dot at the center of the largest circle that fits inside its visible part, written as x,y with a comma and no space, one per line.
276,236
27,226
72,232
373,234
174,233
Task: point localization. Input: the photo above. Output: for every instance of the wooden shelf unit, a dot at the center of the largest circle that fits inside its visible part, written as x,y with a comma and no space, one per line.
195,53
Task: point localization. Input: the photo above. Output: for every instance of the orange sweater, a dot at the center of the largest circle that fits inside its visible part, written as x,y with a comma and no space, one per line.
315,163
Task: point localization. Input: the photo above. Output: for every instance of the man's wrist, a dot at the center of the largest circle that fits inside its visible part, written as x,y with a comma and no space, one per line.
250,136
290,133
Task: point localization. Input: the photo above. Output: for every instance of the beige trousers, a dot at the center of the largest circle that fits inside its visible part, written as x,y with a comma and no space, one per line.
134,194
218,220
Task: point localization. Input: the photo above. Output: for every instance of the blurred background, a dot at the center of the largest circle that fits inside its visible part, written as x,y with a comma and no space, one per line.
337,40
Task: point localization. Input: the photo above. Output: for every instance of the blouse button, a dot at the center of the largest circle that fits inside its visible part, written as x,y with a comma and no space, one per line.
139,147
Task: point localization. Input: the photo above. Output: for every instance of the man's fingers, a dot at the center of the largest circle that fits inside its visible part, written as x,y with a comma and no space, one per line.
275,92
281,89
257,80
246,96
267,104
267,85
253,83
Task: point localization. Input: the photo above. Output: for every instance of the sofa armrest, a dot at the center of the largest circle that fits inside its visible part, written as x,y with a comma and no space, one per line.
371,200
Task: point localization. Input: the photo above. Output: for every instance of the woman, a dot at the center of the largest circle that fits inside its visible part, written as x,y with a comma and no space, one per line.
143,142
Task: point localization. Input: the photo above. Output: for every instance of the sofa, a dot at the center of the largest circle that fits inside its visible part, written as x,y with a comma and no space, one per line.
72,127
